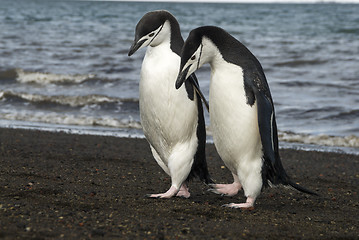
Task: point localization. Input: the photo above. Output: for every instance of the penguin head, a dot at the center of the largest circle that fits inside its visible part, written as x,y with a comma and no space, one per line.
197,50
151,30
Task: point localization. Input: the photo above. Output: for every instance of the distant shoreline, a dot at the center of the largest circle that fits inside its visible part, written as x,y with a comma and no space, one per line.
288,141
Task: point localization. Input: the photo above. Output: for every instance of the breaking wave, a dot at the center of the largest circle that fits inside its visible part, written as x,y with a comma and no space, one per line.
48,78
73,101
322,139
71,119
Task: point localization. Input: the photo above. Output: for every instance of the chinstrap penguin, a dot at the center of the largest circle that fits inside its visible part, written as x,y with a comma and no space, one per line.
172,120
241,112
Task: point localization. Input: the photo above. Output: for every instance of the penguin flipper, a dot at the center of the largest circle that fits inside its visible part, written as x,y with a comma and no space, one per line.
274,171
269,136
266,119
194,81
199,166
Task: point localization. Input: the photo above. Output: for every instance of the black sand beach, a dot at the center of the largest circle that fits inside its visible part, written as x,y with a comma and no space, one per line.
58,185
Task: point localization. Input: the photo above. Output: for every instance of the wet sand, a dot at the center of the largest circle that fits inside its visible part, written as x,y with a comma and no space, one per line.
58,185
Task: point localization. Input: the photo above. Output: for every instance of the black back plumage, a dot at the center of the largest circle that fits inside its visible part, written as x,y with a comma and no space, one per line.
256,90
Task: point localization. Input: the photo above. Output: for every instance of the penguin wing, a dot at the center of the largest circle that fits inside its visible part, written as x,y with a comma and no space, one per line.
266,119
193,79
269,135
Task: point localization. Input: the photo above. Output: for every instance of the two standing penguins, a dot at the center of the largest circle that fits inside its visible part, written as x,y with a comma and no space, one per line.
241,109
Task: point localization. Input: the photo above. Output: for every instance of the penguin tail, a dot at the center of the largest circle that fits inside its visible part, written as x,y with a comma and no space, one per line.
277,175
200,171
208,180
300,188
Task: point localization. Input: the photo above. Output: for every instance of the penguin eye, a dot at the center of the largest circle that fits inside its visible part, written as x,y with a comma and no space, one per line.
151,34
193,57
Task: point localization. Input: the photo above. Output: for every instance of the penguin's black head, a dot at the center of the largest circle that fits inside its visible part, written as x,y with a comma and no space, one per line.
148,29
190,56
201,46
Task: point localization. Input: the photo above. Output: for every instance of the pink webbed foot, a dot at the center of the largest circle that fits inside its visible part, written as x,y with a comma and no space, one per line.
226,189
170,193
248,205
183,192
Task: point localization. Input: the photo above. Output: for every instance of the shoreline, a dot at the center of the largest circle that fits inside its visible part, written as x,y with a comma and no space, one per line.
60,185
287,141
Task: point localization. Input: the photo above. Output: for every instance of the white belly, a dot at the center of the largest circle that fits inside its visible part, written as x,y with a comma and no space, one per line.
233,122
168,117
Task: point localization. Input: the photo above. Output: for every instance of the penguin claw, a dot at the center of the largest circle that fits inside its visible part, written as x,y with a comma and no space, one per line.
248,205
160,195
219,193
213,190
152,196
225,189
228,205
241,206
170,193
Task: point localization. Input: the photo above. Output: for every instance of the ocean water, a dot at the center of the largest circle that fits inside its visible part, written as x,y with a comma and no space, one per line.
64,64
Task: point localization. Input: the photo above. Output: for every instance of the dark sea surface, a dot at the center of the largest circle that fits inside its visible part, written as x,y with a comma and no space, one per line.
64,64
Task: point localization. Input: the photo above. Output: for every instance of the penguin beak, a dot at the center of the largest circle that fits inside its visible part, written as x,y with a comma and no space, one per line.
135,46
182,76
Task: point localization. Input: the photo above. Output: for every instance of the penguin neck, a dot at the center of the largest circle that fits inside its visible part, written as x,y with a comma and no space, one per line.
170,36
230,50
212,55
176,40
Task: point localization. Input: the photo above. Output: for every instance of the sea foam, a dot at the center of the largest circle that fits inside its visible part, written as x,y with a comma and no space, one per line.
321,139
48,78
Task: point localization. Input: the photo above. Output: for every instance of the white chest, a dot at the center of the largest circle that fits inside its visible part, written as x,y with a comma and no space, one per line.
233,122
159,68
167,115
